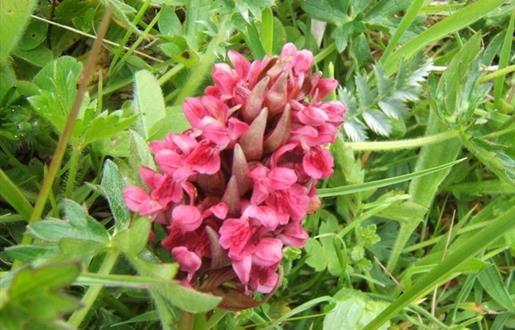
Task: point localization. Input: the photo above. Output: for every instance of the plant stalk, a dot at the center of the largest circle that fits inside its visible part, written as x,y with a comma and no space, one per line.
402,144
65,137
73,170
92,293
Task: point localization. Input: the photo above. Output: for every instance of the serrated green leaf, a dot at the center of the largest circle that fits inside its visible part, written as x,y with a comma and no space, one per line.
105,126
139,154
14,15
112,187
34,298
57,82
378,122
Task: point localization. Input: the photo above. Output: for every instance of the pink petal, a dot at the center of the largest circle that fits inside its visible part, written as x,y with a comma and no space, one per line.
326,86
294,235
149,176
281,178
236,128
318,163
189,261
224,77
240,63
312,116
219,210
134,197
186,218
268,252
214,131
234,235
264,279
266,216
217,109
242,268
194,110
303,61
289,50
168,161
204,159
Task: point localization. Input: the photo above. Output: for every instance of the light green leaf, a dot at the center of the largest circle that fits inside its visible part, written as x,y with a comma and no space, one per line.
139,154
131,241
112,187
34,298
14,15
148,103
353,311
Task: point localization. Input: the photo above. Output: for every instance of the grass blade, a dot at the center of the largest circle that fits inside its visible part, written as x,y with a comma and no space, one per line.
453,23
462,253
405,23
354,188
14,196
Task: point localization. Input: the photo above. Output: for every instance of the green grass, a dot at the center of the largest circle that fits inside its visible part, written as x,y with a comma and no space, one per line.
417,224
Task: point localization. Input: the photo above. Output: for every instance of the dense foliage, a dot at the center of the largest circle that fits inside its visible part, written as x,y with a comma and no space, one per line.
415,228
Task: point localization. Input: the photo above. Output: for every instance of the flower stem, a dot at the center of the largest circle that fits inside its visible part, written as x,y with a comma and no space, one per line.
92,293
72,172
65,137
402,144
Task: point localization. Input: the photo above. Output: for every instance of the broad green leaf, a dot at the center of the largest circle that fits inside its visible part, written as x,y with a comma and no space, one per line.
131,241
34,298
34,35
76,249
175,122
148,103
188,299
112,187
351,189
448,25
353,311
14,15
169,23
